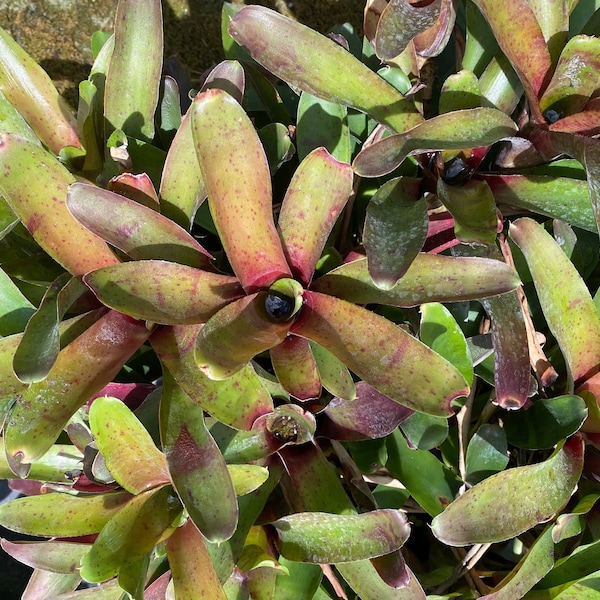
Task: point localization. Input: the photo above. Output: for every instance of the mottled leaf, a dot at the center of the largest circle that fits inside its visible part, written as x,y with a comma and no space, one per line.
295,367
334,374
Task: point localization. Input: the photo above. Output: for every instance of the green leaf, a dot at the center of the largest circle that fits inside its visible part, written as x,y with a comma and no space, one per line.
334,374
301,583
138,63
460,91
487,453
395,229
61,515
236,175
581,562
13,122
424,432
546,422
457,130
314,199
564,297
277,143
387,357
296,368
196,465
318,537
54,556
15,308
475,518
56,585
247,478
163,292
291,51
130,534
229,76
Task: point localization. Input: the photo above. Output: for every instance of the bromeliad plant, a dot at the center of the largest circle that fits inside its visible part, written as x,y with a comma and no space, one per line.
237,397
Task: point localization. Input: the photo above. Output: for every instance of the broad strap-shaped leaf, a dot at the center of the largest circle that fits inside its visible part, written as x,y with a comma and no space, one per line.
319,537
135,187
238,183
381,353
564,297
334,374
196,465
460,129
54,556
85,366
487,453
430,278
137,230
553,19
29,89
296,368
229,76
61,515
395,229
238,401
480,516
130,534
315,197
460,90
524,45
237,333
128,450
191,567
292,51
40,204
132,81
13,121
163,292
400,22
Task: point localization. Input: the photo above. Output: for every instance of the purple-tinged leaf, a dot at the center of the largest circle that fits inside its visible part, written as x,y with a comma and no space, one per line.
236,402
61,515
133,78
430,278
460,129
238,332
474,210
236,175
553,18
228,76
29,89
13,121
43,584
475,518
128,450
193,573
564,297
586,122
319,537
400,22
295,367
382,354
163,292
524,45
135,187
291,51
157,590
54,556
137,230
371,415
196,465
40,204
334,374
432,41
131,533
315,197
395,229
82,368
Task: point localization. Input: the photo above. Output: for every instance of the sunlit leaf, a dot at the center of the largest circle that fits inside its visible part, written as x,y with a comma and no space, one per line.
44,584
54,556
334,374
16,309
460,91
295,367
228,76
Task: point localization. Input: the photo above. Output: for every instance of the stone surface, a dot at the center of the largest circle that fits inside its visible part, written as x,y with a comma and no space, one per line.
57,32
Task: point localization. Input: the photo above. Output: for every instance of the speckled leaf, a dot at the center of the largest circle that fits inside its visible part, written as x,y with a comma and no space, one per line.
400,22
137,230
61,515
163,292
315,197
564,297
129,452
133,78
196,465
290,50
475,518
334,374
474,210
13,122
295,367
82,368
432,41
29,88
247,478
395,229
370,415
133,532
237,333
135,187
460,129
228,76
430,278
193,573
40,204
524,45
236,175
553,18
54,556
460,91
318,537
237,401
387,357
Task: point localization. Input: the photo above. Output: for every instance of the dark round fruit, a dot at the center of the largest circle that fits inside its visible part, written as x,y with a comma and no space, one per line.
279,307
